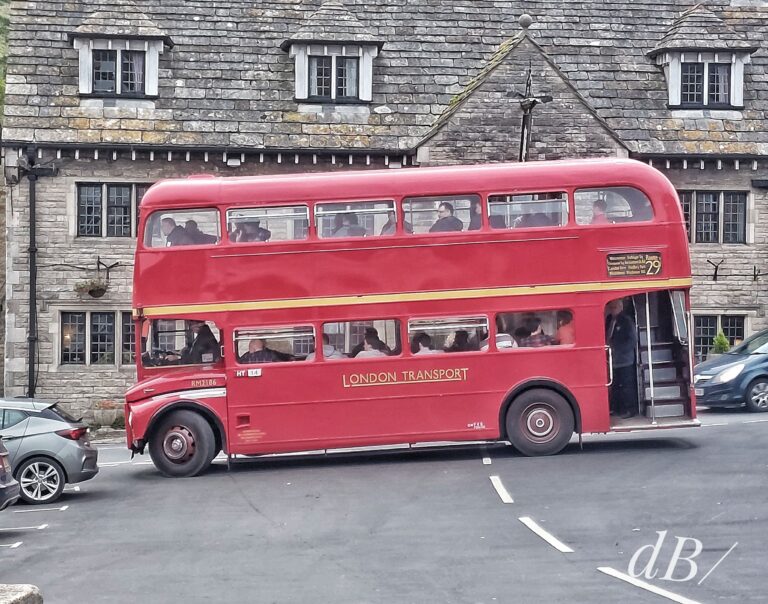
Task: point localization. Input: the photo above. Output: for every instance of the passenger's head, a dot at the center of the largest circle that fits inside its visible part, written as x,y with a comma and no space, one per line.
532,324
326,339
371,342
422,341
391,216
191,226
599,206
476,207
445,209
256,345
372,331
615,307
564,317
521,333
167,225
461,338
196,326
350,219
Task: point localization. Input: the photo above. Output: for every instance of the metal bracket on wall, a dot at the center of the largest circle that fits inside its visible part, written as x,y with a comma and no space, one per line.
756,274
717,268
101,265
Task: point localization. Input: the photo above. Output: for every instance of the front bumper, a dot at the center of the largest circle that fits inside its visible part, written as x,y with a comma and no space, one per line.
719,395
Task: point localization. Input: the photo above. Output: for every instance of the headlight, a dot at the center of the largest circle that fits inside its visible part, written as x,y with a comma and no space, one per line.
728,374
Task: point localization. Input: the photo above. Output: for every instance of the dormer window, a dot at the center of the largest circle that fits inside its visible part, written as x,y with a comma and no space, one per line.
118,72
334,78
705,84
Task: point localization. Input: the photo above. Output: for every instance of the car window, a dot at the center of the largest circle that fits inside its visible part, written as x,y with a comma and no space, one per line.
757,344
11,417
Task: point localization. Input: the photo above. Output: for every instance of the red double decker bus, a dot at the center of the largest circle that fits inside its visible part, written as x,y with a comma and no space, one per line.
519,302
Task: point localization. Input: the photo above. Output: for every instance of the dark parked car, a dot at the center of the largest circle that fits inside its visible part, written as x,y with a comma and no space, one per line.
47,448
9,488
737,378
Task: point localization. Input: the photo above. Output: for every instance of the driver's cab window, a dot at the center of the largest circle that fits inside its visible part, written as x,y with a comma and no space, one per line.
179,342
175,228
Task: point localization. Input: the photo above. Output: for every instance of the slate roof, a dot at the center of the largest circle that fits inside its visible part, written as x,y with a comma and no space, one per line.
122,19
228,84
333,23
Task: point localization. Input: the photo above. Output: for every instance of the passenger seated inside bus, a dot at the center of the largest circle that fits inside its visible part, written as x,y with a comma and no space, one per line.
599,212
249,231
373,333
446,221
372,347
461,342
564,334
204,347
391,224
259,353
197,236
350,226
329,351
475,215
536,338
175,234
422,344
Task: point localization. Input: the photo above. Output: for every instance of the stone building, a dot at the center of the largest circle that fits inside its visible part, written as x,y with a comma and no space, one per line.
104,98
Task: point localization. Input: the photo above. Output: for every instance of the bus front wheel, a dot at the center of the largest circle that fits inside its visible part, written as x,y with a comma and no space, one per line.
183,444
539,422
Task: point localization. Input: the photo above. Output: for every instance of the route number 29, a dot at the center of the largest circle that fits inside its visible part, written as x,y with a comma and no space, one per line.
653,266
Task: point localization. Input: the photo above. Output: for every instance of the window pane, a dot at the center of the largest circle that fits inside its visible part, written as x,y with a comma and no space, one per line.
286,223
73,338
704,332
534,329
692,80
733,328
441,214
180,342
118,210
104,70
186,227
529,210
612,206
719,83
734,217
102,338
356,219
686,201
89,210
707,217
129,339
132,75
11,417
346,77
320,76
140,191
274,345
457,334
361,339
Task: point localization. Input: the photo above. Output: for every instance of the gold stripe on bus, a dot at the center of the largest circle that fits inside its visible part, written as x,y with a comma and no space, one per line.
433,296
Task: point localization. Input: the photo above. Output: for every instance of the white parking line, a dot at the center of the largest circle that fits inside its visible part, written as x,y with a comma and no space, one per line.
75,488
755,421
63,508
111,464
547,536
503,493
12,545
708,425
646,586
25,528
486,461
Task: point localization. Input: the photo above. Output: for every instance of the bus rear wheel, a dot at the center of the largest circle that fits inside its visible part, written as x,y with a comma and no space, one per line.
183,444
539,422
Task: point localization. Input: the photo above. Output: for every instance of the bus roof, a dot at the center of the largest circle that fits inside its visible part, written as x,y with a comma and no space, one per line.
200,190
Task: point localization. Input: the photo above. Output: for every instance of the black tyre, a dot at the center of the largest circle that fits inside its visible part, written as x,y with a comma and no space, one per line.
539,422
757,396
183,444
41,479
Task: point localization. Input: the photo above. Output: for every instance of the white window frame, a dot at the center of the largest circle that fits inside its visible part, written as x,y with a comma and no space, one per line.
365,54
152,50
56,329
673,71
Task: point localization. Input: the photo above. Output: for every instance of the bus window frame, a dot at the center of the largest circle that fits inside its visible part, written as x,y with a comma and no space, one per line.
399,319
424,197
314,215
518,348
652,220
196,246
570,206
219,363
304,361
481,315
267,206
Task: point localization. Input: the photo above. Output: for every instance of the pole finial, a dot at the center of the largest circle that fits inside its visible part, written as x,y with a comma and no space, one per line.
525,21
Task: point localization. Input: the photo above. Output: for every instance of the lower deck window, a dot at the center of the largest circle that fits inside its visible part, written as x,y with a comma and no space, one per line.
535,329
361,339
454,334
274,345
179,342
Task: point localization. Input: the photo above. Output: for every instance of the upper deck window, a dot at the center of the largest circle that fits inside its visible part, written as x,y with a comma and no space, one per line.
284,223
442,214
355,219
528,210
612,205
184,227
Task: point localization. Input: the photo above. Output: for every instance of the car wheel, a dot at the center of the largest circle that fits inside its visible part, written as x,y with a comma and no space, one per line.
41,480
183,444
757,396
539,422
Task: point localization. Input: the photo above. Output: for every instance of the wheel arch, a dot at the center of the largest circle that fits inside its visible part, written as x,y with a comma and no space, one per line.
44,454
186,405
536,383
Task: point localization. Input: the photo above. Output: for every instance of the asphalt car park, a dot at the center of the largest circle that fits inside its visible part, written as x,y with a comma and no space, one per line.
466,524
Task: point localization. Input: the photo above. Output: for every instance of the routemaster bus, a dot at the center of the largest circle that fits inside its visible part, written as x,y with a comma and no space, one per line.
504,302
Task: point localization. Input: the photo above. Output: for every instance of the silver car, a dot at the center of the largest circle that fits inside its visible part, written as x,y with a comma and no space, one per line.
47,448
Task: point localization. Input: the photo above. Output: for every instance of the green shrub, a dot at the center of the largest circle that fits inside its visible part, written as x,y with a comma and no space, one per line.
720,344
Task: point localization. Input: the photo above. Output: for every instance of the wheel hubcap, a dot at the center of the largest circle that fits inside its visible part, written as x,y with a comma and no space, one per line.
759,395
40,481
541,423
179,444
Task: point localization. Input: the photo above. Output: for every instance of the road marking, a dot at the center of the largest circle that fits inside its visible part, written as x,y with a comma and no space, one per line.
647,586
709,425
76,489
755,421
503,493
25,528
12,545
143,463
61,509
547,536
486,461
717,564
